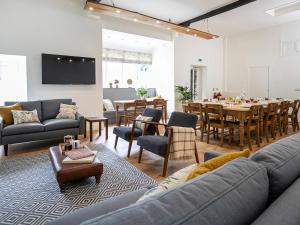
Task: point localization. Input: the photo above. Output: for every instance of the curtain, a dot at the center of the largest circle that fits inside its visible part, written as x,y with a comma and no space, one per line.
115,55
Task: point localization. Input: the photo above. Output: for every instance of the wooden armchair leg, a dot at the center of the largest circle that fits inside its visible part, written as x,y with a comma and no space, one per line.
129,149
208,133
257,135
5,150
196,153
165,166
249,139
116,142
140,155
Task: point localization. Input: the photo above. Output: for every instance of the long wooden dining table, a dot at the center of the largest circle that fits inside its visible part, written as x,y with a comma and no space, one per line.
239,111
126,104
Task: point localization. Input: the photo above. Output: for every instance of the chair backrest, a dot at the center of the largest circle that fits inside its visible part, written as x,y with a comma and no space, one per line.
295,107
197,109
214,111
156,115
284,108
139,105
181,119
271,111
254,115
159,103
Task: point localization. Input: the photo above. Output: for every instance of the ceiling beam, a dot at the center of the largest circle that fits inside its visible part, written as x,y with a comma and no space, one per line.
94,5
217,11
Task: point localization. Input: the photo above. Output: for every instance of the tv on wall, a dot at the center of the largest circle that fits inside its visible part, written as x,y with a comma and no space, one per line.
62,69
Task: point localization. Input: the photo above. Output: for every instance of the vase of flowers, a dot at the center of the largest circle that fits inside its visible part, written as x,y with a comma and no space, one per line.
142,92
184,93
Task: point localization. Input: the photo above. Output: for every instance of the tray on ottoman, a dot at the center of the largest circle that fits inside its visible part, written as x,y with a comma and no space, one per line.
71,172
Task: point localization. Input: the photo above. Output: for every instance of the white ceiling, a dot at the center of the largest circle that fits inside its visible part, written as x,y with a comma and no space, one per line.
130,42
244,19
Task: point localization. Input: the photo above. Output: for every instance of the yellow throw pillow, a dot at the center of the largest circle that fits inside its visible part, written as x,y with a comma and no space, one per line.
6,114
216,162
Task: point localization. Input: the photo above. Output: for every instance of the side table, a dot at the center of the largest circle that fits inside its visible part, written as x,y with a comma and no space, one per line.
99,120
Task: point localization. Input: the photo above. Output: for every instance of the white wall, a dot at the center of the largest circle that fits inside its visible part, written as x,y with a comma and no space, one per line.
32,27
187,51
262,48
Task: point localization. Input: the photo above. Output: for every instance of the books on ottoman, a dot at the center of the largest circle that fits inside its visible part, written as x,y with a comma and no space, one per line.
88,159
79,153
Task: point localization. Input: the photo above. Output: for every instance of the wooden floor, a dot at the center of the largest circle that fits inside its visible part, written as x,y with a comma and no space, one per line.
151,164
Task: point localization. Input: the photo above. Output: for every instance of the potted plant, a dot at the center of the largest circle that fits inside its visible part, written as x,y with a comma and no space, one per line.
184,92
142,92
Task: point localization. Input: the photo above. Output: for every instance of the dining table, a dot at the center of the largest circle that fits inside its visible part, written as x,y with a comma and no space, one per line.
128,104
238,111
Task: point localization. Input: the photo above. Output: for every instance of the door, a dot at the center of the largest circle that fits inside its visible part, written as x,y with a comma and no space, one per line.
196,82
258,82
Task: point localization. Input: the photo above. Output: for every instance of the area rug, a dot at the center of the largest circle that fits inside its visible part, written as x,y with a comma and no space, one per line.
29,193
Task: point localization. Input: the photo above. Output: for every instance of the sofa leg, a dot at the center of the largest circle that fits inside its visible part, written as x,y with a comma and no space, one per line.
5,150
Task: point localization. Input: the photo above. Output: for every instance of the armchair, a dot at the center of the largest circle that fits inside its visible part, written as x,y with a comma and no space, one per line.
132,133
160,145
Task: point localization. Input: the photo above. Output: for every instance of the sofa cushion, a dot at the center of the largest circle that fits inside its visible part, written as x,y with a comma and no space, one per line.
284,210
58,124
125,132
235,193
282,161
29,106
155,144
23,128
50,108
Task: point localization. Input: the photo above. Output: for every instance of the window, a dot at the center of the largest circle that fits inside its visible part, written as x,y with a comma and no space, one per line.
13,78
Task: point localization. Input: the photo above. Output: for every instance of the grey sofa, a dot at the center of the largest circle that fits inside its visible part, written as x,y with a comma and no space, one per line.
49,128
261,190
121,94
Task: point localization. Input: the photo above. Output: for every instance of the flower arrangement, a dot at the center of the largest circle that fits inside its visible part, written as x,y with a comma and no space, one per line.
185,94
142,92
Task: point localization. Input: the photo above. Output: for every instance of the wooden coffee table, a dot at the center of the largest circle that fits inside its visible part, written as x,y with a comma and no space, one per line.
70,172
99,120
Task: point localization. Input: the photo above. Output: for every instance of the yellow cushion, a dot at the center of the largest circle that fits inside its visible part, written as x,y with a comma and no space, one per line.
216,162
5,112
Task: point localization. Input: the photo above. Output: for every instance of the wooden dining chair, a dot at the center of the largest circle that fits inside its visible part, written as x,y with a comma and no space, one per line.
131,112
282,117
293,115
161,104
198,110
269,121
215,119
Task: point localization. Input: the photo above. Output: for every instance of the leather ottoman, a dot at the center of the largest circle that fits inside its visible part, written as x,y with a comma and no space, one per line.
70,172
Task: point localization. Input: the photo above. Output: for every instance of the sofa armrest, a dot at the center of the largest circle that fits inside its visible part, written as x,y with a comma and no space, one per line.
81,120
1,128
211,154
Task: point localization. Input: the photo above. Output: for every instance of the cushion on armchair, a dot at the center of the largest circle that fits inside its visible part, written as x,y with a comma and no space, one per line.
155,144
124,132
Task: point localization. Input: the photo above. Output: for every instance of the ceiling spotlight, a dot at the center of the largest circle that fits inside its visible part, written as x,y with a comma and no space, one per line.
169,28
70,60
214,36
82,60
118,11
58,58
157,21
135,20
91,8
187,30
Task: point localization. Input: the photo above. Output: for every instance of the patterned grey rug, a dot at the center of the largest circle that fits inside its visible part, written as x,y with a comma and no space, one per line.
29,193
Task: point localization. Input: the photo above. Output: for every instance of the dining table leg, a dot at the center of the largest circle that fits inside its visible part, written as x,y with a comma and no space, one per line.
117,114
242,130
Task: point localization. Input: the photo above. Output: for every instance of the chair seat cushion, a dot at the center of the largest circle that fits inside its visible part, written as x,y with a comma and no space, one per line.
58,124
155,144
125,132
23,128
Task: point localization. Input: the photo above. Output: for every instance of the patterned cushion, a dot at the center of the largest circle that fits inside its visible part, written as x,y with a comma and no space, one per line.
108,105
25,116
216,162
67,111
171,181
140,124
5,113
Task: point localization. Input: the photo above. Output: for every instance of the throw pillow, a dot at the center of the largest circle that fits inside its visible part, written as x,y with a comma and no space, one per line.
25,116
216,162
173,180
108,105
6,114
140,124
67,112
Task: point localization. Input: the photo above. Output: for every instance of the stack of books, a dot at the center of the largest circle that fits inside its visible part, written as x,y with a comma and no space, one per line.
80,155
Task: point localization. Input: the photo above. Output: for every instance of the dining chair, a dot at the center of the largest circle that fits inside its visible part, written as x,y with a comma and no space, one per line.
215,119
161,145
131,112
132,133
198,110
282,117
161,103
293,115
269,121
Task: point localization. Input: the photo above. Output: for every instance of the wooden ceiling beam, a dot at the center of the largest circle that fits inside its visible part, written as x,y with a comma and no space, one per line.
93,5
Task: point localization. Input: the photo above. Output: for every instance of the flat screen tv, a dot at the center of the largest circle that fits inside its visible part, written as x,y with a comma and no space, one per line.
62,69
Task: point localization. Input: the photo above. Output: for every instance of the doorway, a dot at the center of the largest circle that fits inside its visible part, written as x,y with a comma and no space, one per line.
198,82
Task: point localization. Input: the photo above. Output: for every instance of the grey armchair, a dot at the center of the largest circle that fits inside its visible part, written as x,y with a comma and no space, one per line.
132,133
160,145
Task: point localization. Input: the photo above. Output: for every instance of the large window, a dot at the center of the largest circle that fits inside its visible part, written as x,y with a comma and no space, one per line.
124,66
13,78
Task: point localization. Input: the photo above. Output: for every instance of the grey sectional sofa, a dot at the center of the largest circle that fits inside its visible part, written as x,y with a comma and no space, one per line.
49,128
261,190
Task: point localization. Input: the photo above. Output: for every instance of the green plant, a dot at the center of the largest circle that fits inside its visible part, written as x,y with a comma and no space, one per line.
184,92
141,92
